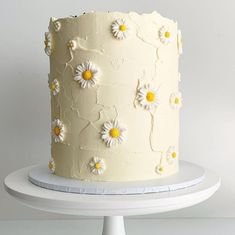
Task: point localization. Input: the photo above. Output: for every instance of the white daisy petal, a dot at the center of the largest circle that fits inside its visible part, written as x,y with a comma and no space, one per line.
93,170
107,125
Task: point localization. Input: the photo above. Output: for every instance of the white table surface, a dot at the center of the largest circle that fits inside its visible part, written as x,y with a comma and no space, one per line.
133,227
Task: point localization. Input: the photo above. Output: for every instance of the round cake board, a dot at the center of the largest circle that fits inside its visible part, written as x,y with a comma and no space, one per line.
189,175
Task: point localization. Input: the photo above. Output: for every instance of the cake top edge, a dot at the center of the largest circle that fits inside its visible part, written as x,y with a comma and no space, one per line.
113,13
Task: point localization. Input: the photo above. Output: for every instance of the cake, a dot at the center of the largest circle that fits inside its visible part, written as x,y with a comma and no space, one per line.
115,99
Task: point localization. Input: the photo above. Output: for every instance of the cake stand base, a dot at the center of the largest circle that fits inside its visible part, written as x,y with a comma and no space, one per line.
113,225
112,207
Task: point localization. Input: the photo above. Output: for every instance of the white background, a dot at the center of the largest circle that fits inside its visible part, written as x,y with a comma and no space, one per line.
208,86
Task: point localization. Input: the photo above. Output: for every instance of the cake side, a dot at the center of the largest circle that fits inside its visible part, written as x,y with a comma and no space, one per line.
114,96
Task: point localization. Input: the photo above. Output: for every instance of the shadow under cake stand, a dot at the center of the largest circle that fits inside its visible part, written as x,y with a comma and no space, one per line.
35,187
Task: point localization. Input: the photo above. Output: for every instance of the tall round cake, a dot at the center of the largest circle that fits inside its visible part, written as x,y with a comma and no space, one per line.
114,96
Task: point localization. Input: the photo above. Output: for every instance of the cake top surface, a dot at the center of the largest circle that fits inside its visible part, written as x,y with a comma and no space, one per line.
130,14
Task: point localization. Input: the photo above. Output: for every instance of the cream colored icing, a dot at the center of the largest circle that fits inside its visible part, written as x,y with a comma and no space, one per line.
124,66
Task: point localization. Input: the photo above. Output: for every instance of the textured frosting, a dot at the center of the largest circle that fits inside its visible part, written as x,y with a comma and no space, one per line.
125,65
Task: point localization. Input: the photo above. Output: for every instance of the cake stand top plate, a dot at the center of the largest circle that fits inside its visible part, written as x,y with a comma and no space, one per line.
18,185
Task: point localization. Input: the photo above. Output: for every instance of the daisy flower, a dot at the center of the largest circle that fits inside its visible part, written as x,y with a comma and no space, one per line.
72,45
55,87
48,43
58,131
86,74
171,154
148,97
120,29
57,26
165,35
97,166
113,133
159,169
51,165
176,100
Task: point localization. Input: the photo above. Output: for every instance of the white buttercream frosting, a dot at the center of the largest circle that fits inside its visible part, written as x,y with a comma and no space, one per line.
88,104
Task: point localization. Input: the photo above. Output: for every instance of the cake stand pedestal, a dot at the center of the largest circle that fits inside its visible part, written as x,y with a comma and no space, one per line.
112,207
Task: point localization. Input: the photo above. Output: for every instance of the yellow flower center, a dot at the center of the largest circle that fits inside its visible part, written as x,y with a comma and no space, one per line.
167,34
70,44
122,27
174,155
150,96
177,100
87,75
53,86
160,169
57,130
97,165
114,132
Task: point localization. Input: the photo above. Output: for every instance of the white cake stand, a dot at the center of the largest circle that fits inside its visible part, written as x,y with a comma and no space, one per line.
112,207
